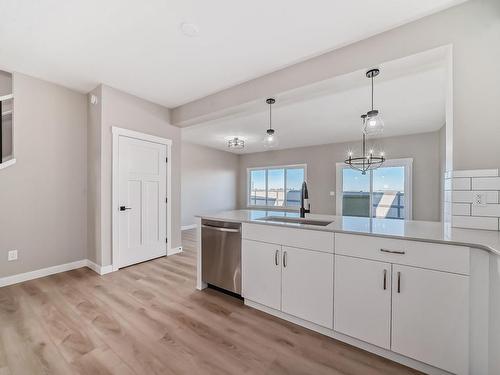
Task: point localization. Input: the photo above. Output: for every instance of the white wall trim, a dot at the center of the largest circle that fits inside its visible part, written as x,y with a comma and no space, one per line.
187,227
174,250
101,270
7,163
19,278
117,132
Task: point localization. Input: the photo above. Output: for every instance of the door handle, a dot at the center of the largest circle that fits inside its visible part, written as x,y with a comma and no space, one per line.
399,282
284,259
123,208
277,257
385,279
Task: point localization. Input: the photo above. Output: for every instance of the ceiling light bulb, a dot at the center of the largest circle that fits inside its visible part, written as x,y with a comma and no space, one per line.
374,125
270,139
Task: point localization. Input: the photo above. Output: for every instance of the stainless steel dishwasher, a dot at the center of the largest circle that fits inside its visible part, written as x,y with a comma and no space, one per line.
221,254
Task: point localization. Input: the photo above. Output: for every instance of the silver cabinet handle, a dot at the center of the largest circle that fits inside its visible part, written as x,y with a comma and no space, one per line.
393,251
276,257
385,279
284,259
220,229
399,282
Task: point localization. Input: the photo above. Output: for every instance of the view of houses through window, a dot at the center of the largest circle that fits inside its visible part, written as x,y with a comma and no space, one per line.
275,186
378,193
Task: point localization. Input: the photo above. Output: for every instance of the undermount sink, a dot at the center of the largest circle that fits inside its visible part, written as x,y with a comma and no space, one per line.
296,220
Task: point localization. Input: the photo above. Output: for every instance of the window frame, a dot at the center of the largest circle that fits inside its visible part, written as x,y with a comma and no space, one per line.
407,163
267,168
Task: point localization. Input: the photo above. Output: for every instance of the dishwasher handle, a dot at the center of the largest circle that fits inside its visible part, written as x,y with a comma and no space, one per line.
221,229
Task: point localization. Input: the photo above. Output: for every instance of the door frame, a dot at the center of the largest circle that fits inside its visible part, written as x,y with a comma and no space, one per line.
121,132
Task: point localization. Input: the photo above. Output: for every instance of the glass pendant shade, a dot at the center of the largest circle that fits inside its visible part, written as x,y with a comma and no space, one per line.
374,124
270,139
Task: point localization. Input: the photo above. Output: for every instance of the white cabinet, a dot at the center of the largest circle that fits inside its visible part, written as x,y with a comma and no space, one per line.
363,300
307,285
261,273
296,281
430,317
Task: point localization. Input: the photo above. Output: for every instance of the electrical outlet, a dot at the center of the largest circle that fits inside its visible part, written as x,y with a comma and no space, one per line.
12,255
479,199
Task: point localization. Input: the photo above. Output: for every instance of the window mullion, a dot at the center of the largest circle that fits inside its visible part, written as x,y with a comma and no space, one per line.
285,187
371,195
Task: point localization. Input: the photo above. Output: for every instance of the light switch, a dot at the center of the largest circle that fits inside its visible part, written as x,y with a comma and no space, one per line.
332,194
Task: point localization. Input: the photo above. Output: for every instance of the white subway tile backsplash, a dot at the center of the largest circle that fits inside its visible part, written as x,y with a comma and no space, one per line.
473,222
461,183
492,210
461,209
468,196
486,183
475,198
476,173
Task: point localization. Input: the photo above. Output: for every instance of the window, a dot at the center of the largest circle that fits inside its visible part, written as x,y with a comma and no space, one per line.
384,192
277,187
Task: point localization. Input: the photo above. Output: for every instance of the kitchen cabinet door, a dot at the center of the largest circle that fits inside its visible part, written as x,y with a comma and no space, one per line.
430,317
261,273
307,285
363,300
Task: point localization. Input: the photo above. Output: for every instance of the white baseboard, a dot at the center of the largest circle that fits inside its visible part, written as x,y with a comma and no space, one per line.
19,278
187,227
174,250
101,270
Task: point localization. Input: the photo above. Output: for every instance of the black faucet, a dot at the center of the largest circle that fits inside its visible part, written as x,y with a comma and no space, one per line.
304,201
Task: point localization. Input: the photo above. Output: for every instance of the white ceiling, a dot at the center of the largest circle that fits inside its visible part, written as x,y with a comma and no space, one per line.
137,46
409,92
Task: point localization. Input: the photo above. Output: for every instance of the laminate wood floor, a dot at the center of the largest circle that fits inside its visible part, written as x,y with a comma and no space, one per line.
149,319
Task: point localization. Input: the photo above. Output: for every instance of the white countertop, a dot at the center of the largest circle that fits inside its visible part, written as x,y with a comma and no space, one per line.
429,231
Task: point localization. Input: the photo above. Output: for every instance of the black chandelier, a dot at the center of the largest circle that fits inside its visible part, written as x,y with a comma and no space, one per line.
367,161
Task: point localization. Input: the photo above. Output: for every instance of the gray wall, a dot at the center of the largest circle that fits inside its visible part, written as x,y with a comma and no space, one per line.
130,112
321,175
209,181
473,28
43,209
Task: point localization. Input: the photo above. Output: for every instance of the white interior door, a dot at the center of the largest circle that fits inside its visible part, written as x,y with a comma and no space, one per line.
142,200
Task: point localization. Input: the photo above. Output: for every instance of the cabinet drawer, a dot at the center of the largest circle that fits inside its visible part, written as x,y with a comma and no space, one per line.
302,238
440,257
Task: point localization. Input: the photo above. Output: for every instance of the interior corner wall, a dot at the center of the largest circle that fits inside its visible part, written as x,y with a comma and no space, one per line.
321,170
94,176
209,181
43,196
130,112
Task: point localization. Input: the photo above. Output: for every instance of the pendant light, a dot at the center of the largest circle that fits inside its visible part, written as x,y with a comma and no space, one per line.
270,140
367,161
373,123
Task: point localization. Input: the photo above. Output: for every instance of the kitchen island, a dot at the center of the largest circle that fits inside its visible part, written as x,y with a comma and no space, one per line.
419,293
